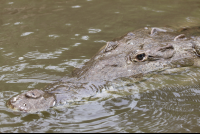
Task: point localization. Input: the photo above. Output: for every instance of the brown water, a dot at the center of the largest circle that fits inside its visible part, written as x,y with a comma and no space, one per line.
42,41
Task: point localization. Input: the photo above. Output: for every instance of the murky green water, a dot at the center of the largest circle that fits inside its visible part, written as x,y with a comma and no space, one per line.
42,41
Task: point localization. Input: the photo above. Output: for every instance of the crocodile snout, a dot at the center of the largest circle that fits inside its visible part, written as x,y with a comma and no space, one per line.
32,101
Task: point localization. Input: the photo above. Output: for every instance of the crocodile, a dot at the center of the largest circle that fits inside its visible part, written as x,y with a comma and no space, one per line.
123,60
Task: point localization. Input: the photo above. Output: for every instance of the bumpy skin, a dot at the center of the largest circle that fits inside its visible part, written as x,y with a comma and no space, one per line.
131,57
32,101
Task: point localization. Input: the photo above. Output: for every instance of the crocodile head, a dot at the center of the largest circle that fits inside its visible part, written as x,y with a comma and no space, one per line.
142,52
132,55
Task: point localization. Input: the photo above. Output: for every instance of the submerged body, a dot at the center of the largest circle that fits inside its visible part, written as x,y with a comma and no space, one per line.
121,61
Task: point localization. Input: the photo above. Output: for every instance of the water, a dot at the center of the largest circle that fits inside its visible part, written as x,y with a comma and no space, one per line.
42,41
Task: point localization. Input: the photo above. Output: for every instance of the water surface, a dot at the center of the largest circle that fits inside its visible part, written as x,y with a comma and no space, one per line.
42,41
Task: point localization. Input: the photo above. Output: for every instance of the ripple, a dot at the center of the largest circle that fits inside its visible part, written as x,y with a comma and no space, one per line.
74,62
26,33
50,55
17,23
76,34
53,36
56,68
29,80
68,24
102,41
9,54
147,8
76,44
76,6
85,37
15,68
6,24
91,30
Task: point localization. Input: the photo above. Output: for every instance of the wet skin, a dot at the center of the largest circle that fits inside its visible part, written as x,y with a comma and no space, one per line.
131,56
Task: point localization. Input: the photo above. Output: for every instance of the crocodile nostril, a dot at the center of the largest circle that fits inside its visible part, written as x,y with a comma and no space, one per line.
14,99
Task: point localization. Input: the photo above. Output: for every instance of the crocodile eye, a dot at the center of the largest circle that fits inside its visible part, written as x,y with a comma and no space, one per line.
34,93
140,57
